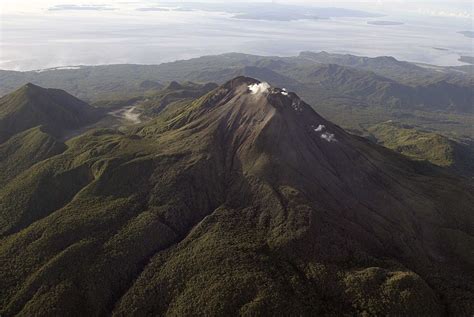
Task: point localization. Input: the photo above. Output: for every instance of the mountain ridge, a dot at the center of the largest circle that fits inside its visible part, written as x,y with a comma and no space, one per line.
244,200
54,109
427,96
456,155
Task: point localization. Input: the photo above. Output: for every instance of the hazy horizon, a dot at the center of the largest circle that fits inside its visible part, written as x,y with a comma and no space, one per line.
151,32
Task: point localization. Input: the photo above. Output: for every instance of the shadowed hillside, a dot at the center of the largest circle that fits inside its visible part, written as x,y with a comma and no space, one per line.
243,201
53,109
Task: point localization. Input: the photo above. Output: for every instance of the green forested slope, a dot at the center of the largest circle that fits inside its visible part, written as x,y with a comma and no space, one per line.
24,150
234,204
422,145
31,106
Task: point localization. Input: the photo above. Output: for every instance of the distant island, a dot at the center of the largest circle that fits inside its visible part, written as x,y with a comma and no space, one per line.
385,23
274,12
469,34
184,9
440,49
467,59
152,9
275,16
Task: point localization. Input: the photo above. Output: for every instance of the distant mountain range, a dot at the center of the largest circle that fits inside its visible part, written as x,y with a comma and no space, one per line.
227,200
98,82
352,91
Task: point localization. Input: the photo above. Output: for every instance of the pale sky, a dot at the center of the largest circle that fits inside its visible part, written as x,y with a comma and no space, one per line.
462,8
38,34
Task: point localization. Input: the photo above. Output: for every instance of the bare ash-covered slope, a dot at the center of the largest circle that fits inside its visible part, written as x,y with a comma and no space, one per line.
244,201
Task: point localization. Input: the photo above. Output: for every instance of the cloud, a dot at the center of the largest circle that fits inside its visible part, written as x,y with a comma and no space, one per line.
259,88
447,13
67,67
152,9
184,9
328,137
80,7
320,128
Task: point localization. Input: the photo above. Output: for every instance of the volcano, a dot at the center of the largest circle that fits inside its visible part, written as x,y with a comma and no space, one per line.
244,201
53,109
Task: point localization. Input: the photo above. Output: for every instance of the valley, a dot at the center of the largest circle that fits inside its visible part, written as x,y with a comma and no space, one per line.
128,114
